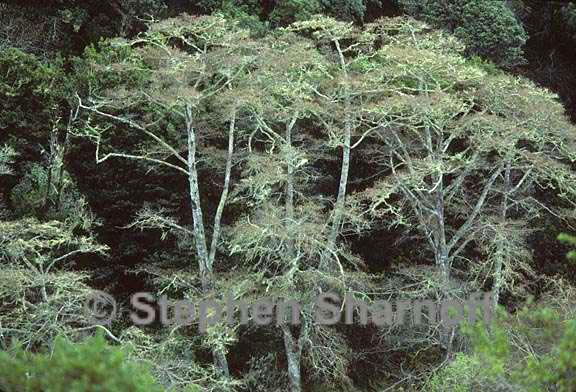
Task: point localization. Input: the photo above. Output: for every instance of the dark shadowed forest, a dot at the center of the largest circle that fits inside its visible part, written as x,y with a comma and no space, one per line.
358,195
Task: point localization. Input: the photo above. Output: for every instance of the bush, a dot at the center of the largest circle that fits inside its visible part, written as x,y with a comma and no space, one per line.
282,13
458,376
534,350
31,92
89,366
488,28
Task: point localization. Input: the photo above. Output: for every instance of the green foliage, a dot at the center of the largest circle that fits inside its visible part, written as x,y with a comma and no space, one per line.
571,241
90,366
569,12
248,13
38,298
31,92
64,202
290,11
95,72
488,28
555,369
283,13
457,376
348,10
532,350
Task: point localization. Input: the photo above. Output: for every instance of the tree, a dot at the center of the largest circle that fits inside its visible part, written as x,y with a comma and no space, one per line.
341,114
488,28
465,151
285,235
32,93
180,81
40,299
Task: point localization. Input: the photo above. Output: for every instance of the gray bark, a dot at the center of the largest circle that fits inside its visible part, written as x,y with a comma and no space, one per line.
289,202
293,357
197,215
224,195
498,279
339,207
205,257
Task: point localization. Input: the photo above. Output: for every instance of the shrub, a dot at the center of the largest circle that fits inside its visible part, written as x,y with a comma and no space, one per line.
89,366
488,28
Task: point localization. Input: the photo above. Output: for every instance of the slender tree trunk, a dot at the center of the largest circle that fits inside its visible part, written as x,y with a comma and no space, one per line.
60,186
293,356
292,348
442,257
342,189
51,160
224,195
498,279
220,360
339,207
442,251
289,202
206,271
197,215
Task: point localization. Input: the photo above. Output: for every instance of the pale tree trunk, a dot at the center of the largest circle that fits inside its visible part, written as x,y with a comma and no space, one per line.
498,279
442,258
293,350
51,160
206,256
225,190
197,215
339,207
289,202
442,253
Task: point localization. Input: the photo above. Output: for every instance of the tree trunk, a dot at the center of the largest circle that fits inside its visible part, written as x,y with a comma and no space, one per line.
51,160
289,202
442,257
224,195
60,186
342,189
498,279
199,231
221,362
206,272
442,251
338,214
293,356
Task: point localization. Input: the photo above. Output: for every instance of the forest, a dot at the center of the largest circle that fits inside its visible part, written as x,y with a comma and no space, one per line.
359,195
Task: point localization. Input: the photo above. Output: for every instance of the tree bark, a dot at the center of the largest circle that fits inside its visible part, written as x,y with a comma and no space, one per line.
289,202
51,160
293,356
199,231
338,214
498,279
204,258
224,195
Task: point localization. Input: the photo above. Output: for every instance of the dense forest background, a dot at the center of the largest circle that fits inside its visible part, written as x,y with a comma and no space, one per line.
412,149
